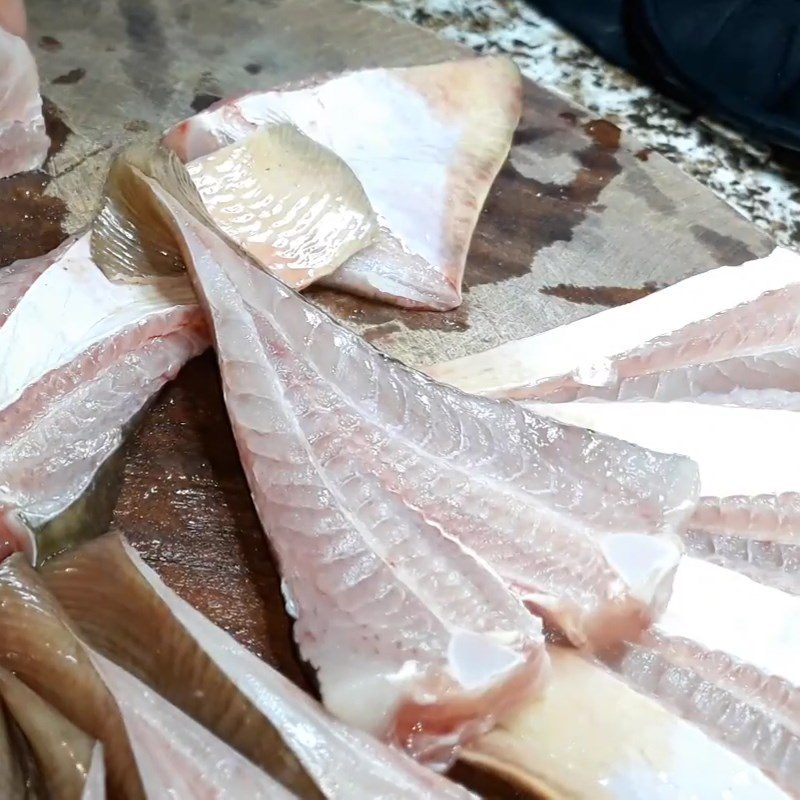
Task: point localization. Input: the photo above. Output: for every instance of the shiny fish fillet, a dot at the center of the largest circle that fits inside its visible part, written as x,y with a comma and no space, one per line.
177,758
268,193
426,144
619,745
207,674
373,463
724,655
23,141
38,645
748,517
413,638
63,751
709,337
81,358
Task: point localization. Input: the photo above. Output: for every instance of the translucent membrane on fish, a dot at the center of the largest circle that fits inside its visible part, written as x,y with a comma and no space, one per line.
592,736
95,787
293,205
23,141
426,144
207,674
709,337
177,757
748,517
63,752
724,655
413,638
38,645
82,356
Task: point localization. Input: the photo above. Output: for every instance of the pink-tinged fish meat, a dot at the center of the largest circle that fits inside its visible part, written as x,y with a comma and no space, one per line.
593,736
748,516
208,675
23,141
177,758
13,17
724,656
396,492
62,751
730,335
425,142
81,357
413,638
38,644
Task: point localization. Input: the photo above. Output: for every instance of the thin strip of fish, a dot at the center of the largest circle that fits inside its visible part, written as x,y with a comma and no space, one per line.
728,335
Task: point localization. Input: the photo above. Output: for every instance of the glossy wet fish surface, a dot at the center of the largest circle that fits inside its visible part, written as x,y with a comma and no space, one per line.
23,141
71,389
425,142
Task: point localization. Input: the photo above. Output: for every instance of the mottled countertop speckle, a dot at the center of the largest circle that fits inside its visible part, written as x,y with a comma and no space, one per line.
748,176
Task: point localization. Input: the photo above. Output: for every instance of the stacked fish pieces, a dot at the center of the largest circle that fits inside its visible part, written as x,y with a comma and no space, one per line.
707,368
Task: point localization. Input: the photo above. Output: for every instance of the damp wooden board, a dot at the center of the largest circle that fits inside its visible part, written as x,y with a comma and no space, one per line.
580,217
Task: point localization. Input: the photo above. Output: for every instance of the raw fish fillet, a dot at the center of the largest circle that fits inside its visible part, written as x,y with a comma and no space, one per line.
178,758
385,485
23,141
62,751
81,357
413,638
425,142
38,645
208,675
591,736
748,517
730,335
725,656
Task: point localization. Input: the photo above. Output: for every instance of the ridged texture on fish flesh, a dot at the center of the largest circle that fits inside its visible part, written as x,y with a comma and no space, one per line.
412,637
748,517
63,752
728,335
425,142
203,671
178,758
23,141
371,473
39,647
291,203
724,655
72,386
591,736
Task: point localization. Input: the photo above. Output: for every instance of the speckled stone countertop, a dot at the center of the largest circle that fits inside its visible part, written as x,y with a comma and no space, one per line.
745,175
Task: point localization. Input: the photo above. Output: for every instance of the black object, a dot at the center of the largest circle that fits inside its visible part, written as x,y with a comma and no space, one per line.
735,59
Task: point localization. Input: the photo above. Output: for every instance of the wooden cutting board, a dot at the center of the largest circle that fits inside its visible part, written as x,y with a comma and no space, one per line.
580,217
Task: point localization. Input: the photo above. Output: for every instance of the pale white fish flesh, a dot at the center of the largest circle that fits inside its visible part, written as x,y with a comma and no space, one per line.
592,736
23,141
706,337
178,758
203,670
396,493
426,143
81,357
725,656
413,638
748,516
95,788
289,202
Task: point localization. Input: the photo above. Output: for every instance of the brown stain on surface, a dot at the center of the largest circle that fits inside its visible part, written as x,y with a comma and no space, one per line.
607,296
643,154
522,216
30,219
68,78
50,44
